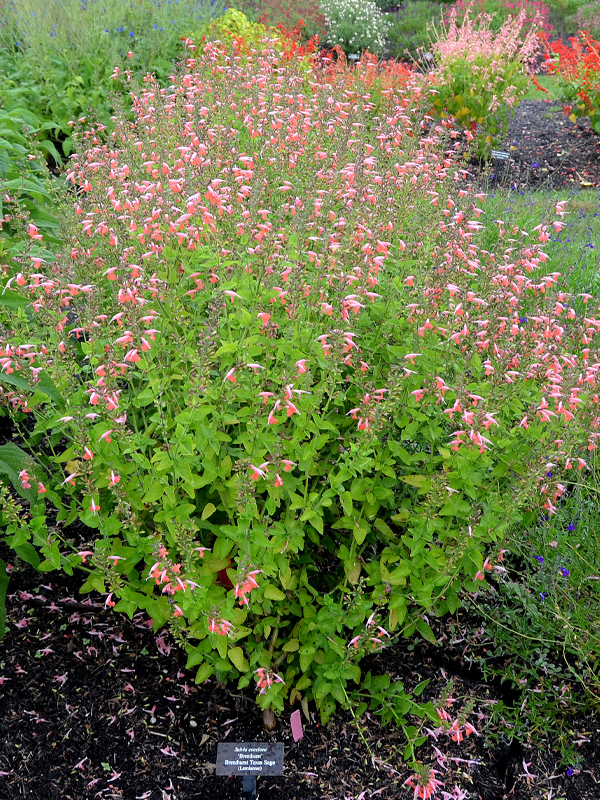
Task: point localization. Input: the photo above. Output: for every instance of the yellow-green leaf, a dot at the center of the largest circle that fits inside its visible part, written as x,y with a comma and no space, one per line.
237,658
291,646
415,480
204,673
208,510
352,571
273,593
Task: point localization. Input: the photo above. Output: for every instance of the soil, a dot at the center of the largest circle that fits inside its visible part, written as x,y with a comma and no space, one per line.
93,704
96,705
547,151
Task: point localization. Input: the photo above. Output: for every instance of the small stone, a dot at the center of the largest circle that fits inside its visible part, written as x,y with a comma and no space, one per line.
193,723
152,720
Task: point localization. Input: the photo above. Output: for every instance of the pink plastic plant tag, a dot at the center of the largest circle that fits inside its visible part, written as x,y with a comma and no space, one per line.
296,723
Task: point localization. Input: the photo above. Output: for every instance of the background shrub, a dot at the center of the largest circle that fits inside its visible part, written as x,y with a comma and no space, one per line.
586,18
409,27
355,25
58,58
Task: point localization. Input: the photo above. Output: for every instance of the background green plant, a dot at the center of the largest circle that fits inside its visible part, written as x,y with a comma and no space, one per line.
27,192
409,27
585,18
57,58
542,630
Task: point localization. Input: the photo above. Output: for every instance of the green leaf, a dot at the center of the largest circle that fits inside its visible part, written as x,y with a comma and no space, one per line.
27,552
359,534
208,510
237,658
4,164
12,461
14,380
382,527
154,493
420,687
291,646
46,385
273,593
204,672
228,347
426,631
415,480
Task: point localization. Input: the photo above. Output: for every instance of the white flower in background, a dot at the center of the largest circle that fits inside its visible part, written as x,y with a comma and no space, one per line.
355,25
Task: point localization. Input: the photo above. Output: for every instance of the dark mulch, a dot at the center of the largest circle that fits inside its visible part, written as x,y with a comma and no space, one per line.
95,705
547,150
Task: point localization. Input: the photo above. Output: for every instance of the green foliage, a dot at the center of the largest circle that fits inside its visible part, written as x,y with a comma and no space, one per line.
235,25
58,58
25,187
536,14
16,529
409,27
585,18
542,621
573,249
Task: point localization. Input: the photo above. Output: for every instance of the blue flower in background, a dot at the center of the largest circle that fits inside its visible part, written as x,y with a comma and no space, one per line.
540,559
565,572
572,526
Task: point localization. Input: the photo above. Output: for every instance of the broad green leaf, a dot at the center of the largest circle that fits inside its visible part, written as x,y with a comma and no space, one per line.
204,672
208,510
273,593
12,461
154,493
28,553
237,658
12,299
415,480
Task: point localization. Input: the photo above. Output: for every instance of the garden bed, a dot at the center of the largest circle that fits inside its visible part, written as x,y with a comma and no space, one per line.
547,150
94,705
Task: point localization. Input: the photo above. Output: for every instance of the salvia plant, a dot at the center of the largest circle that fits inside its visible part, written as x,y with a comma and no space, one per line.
481,74
276,378
536,12
577,69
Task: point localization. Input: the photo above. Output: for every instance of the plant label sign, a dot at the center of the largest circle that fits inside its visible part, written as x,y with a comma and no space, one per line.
500,155
250,758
